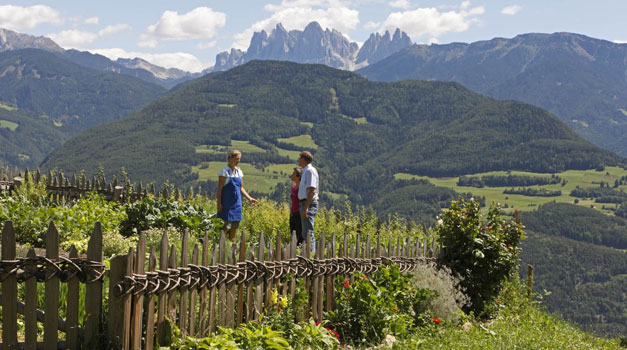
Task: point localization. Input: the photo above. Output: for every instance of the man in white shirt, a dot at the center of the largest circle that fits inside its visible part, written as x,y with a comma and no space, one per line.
308,195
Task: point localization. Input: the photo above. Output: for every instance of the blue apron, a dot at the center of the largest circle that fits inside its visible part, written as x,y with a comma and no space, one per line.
232,200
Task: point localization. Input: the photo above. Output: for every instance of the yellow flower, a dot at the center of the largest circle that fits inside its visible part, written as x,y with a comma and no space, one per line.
274,296
283,302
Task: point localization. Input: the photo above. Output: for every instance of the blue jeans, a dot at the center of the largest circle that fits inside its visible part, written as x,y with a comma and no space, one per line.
308,223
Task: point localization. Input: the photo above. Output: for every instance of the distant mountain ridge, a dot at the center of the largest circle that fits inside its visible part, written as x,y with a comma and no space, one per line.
10,40
580,79
313,45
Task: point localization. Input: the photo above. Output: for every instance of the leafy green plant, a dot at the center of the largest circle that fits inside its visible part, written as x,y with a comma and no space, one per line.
370,308
484,254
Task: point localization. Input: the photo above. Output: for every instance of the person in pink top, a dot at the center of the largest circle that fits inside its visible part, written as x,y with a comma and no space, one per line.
295,221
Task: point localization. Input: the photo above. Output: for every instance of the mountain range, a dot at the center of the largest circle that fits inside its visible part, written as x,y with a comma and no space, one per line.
581,80
314,45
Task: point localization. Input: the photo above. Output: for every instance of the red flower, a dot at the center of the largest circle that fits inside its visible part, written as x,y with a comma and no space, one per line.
395,309
489,227
346,284
364,277
334,333
510,245
436,320
318,323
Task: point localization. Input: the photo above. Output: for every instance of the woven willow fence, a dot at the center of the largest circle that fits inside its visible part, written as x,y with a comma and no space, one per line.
216,286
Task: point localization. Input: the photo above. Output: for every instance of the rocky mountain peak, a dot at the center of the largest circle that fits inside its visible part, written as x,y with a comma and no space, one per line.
10,40
314,45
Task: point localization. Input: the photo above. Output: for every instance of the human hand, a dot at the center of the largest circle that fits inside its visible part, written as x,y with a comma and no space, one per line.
253,201
305,215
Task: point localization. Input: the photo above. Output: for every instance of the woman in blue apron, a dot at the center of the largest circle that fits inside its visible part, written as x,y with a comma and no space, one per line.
230,191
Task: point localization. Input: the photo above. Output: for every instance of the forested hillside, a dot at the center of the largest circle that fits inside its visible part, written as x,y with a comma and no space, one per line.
580,79
362,133
75,97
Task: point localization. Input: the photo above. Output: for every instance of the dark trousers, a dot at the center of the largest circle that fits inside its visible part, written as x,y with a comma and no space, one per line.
297,226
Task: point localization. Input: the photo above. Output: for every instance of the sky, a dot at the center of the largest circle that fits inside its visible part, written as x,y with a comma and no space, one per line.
187,34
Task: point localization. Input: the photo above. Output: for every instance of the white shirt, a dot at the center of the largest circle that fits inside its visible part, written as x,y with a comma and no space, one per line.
309,178
228,173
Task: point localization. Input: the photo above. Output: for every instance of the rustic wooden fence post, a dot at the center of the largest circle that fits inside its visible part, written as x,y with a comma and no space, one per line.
51,294
163,266
138,300
259,281
150,306
183,291
30,307
72,307
240,286
202,324
93,290
9,291
191,323
119,327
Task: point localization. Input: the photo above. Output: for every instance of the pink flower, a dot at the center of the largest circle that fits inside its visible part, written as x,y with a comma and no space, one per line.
489,227
436,320
364,277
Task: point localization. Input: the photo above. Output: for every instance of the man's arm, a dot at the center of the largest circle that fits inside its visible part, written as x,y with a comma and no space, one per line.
311,192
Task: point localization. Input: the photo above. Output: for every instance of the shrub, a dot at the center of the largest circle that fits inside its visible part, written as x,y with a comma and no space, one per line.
370,308
484,254
449,301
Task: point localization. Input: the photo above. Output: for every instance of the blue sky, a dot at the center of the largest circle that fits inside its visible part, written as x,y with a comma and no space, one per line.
187,34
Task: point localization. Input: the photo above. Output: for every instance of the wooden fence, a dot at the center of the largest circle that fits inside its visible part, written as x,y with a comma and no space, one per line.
215,286
60,187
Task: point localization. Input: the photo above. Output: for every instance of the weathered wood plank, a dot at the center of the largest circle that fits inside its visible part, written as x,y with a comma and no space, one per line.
172,295
51,294
259,281
240,286
212,296
72,307
183,291
138,300
9,291
150,306
230,292
202,323
222,253
163,266
191,323
30,307
93,291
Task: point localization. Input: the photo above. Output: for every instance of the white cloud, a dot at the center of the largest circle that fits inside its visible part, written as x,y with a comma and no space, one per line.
147,42
73,38
199,23
112,29
372,25
204,46
296,14
511,10
92,20
403,4
620,41
432,22
18,17
180,60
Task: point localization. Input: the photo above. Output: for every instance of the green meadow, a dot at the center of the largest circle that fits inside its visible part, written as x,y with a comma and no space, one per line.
243,146
304,141
8,125
574,178
7,107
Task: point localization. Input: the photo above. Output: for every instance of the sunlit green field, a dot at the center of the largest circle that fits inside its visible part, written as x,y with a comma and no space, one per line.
8,125
574,178
7,107
304,141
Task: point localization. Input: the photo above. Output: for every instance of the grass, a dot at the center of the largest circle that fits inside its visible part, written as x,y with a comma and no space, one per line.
309,124
304,141
226,105
8,125
254,179
361,120
288,153
7,107
574,178
243,146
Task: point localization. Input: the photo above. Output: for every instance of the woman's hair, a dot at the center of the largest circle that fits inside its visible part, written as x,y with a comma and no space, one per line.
234,153
299,171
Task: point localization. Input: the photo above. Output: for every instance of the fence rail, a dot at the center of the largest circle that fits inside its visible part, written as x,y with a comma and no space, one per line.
213,286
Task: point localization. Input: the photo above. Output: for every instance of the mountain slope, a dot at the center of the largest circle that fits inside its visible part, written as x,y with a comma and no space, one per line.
67,93
580,79
364,131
